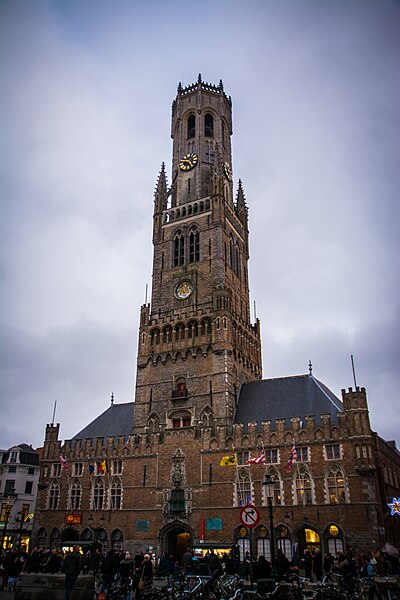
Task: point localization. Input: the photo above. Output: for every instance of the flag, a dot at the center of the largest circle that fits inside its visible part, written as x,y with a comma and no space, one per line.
258,460
102,467
63,462
228,461
292,458
91,469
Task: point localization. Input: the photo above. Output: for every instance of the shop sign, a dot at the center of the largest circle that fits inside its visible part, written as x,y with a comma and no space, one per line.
73,518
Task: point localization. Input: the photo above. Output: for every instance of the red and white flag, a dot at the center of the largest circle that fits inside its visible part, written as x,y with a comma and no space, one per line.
292,458
260,459
63,462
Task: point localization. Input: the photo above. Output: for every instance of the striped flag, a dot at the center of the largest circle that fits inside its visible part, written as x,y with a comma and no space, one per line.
258,460
102,467
63,462
292,458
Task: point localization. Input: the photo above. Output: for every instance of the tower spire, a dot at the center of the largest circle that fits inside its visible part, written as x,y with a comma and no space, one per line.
161,191
241,206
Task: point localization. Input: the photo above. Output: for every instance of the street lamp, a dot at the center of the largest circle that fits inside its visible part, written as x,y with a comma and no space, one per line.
269,484
11,498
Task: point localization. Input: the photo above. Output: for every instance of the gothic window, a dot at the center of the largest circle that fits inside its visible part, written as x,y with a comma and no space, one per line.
243,488
116,496
177,501
208,125
193,329
167,334
42,539
98,495
264,548
335,483
117,540
191,126
179,250
303,486
155,337
277,489
54,496
206,327
194,247
75,496
179,332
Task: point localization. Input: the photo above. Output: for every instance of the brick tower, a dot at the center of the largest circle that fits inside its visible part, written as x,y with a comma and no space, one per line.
196,341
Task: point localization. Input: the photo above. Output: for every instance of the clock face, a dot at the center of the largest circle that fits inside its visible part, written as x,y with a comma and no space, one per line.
184,289
227,171
188,161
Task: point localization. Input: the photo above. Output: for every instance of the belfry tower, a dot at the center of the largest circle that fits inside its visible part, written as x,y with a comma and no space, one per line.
196,341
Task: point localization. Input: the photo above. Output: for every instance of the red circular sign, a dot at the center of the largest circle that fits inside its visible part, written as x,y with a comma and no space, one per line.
250,515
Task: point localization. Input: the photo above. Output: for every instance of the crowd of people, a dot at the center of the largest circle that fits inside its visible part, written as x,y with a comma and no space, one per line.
137,573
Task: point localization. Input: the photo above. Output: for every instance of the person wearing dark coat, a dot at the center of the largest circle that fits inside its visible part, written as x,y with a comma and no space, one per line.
262,568
71,567
282,565
317,564
308,563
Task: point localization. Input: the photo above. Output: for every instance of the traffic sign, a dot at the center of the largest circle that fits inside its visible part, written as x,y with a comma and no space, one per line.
250,515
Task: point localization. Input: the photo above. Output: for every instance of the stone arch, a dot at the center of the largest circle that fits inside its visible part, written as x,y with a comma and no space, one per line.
175,537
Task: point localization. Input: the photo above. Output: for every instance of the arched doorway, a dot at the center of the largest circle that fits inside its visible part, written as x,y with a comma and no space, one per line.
308,538
175,538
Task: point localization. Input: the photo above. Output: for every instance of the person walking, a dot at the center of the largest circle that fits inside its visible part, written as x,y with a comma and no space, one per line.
71,567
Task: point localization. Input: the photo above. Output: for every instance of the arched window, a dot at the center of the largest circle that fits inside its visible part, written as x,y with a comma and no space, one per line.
208,125
42,539
193,329
283,540
243,488
117,540
206,326
167,334
194,247
277,497
98,495
223,134
191,126
75,496
334,539
335,484
54,496
264,547
179,250
303,486
179,332
55,538
116,496
155,337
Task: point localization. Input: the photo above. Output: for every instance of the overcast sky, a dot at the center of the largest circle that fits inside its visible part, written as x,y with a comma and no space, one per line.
85,100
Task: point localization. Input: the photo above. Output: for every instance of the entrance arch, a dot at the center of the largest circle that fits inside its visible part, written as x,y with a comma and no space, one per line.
175,538
308,538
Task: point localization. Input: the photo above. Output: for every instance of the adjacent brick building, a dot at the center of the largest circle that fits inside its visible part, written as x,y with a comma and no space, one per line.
148,474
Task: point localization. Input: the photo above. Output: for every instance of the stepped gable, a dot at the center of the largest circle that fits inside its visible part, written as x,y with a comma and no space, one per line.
116,420
285,397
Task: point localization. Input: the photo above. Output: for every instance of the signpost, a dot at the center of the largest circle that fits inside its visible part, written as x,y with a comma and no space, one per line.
250,517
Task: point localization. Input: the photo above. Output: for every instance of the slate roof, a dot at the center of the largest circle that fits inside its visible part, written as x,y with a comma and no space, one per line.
283,398
116,420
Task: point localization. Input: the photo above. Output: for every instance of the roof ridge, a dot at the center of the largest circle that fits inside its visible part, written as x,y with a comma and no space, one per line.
323,388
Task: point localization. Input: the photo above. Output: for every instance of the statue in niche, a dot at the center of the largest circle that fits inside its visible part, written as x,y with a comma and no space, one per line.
178,468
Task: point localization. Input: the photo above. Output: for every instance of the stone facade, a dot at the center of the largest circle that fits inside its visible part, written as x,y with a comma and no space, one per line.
162,486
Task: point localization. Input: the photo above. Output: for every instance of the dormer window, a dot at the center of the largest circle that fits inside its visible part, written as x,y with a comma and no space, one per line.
191,126
208,125
14,457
